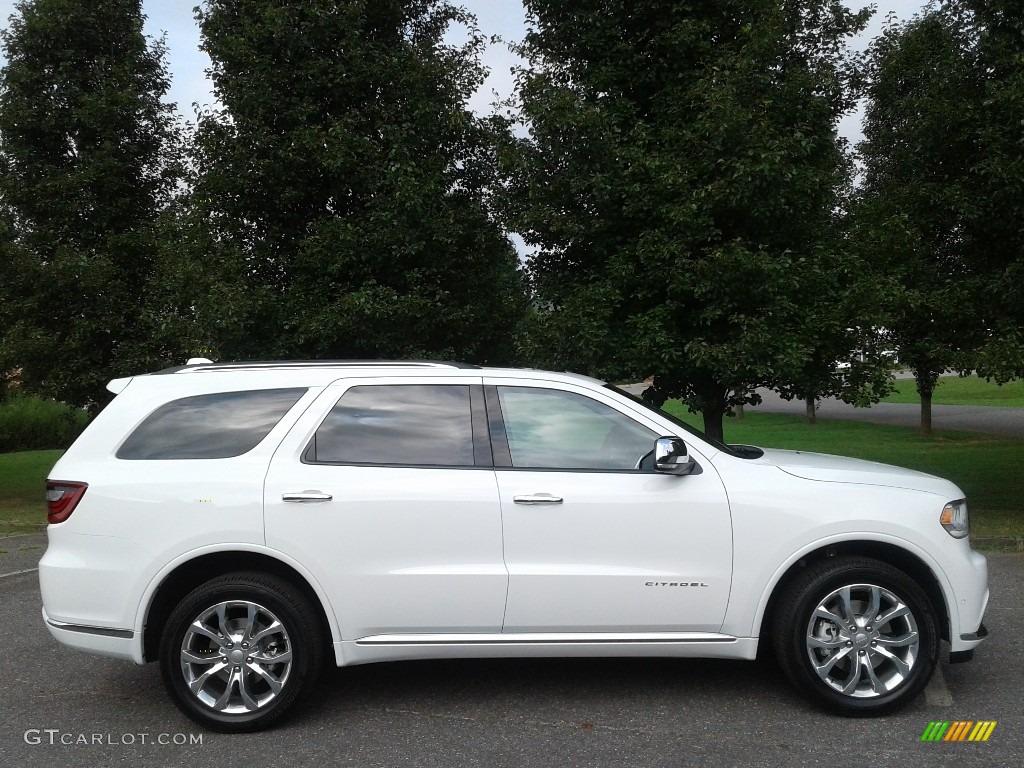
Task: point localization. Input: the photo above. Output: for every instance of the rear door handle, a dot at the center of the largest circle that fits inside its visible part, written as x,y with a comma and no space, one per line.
306,496
537,498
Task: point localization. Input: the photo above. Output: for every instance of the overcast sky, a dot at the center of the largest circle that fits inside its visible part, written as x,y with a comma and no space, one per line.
496,17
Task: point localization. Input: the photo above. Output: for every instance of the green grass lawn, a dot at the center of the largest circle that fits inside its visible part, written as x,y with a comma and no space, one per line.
970,390
23,490
990,470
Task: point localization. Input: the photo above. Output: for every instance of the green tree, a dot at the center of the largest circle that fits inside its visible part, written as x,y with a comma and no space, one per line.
87,164
19,277
920,153
680,181
848,355
995,33
342,190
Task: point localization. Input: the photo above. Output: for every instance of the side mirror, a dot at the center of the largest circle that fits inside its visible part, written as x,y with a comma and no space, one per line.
671,457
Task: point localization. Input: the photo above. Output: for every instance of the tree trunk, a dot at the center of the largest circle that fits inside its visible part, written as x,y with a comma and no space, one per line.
812,410
926,379
713,423
738,410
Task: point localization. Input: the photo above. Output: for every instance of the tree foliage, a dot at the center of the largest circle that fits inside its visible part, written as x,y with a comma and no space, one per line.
340,204
995,32
680,181
920,157
86,167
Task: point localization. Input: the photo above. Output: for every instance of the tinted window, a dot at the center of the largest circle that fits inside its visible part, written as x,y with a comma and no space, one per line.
209,426
410,424
549,429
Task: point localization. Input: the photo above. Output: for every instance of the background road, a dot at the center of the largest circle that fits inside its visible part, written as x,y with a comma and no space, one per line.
545,713
986,419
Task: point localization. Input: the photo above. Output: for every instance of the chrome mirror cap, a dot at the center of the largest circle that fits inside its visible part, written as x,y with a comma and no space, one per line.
671,456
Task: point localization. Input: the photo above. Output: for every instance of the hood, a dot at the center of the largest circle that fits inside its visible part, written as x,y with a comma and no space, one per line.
841,469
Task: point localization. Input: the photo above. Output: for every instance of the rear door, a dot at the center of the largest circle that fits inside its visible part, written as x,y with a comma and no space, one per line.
385,491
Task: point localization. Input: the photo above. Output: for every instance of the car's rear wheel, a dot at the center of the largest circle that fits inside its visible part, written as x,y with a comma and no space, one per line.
241,650
856,635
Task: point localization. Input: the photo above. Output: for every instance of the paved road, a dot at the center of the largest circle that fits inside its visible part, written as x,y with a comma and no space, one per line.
986,419
994,420
20,553
630,713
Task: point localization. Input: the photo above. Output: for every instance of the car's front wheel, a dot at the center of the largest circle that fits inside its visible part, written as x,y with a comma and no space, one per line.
240,650
856,635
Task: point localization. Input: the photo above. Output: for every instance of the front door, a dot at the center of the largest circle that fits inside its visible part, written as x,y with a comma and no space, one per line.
593,542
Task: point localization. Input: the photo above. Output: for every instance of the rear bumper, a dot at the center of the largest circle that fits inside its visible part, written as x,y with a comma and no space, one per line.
89,586
105,641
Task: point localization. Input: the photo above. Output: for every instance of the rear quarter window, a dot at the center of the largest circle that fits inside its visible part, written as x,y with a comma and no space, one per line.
216,426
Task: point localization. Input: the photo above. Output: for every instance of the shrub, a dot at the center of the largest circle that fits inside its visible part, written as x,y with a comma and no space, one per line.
35,424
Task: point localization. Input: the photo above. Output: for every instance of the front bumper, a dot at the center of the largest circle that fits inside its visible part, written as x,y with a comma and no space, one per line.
959,657
968,602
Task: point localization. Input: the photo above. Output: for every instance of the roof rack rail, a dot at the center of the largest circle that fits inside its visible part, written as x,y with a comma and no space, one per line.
207,366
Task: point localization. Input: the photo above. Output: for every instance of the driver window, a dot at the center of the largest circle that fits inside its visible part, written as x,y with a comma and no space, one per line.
551,429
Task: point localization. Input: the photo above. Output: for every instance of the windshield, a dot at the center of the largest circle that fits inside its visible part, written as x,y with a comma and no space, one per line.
675,420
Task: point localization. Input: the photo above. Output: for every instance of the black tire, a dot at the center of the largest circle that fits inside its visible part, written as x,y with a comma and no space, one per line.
874,669
244,686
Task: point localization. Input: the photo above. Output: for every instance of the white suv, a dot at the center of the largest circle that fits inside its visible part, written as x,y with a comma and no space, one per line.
243,523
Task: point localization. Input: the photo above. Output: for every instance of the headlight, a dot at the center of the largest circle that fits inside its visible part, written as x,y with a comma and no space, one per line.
954,518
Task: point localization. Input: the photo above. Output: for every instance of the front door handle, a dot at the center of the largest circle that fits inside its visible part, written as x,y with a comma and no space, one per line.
306,496
537,498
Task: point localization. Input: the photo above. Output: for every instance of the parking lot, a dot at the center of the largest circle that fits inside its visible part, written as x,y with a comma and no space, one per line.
63,707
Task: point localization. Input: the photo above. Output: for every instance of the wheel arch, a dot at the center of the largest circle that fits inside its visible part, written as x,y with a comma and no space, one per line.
892,554
189,573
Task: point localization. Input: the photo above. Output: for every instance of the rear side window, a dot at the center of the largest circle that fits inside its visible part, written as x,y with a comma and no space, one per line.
216,426
400,424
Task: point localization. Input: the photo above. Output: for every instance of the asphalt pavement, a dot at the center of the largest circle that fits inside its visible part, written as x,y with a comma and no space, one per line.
62,707
984,419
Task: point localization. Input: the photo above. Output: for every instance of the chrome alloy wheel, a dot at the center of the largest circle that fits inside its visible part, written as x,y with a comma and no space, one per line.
236,657
862,640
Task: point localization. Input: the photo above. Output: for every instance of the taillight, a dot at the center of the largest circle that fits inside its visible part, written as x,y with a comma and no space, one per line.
62,498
